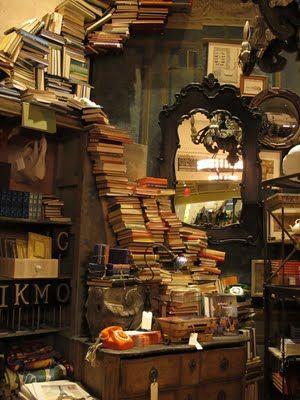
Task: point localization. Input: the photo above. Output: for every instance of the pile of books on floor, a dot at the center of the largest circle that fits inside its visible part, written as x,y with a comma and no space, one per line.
181,302
288,275
53,209
106,149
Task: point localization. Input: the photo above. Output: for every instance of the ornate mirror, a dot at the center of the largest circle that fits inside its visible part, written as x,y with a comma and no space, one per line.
280,128
209,154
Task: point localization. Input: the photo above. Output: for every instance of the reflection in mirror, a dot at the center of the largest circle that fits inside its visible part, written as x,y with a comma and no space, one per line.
209,170
282,116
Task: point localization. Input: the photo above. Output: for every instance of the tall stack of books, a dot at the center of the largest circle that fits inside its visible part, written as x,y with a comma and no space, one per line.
127,221
53,209
194,240
172,222
106,149
154,222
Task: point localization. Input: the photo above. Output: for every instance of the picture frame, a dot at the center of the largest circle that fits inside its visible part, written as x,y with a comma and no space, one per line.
274,230
250,86
257,277
39,246
270,164
222,61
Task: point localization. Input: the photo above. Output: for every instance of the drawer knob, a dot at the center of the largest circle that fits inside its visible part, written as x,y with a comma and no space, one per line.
221,395
192,365
224,364
153,375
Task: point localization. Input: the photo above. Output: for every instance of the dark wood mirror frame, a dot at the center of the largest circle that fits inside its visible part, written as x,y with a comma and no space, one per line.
210,96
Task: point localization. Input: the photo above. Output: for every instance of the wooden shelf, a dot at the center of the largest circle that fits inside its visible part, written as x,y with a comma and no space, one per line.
277,353
11,221
30,333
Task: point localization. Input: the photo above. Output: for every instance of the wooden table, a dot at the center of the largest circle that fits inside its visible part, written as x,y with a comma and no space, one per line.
183,373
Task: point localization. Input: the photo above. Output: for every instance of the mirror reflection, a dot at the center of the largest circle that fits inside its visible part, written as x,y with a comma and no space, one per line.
209,169
282,116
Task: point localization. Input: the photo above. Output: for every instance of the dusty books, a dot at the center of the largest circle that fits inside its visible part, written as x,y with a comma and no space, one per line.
53,209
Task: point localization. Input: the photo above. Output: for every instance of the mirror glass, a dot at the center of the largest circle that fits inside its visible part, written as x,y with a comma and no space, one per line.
208,181
282,115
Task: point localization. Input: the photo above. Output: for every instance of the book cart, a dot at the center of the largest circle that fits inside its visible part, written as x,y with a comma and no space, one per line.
281,291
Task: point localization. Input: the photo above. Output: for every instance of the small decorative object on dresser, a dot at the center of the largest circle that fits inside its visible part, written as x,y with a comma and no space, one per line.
252,85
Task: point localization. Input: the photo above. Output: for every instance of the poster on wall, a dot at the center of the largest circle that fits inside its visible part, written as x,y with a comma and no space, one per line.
222,61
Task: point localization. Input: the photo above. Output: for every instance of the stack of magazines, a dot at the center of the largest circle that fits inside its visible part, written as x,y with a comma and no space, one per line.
54,390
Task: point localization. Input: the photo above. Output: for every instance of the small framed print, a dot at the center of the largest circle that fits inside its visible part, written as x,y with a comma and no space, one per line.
257,278
252,85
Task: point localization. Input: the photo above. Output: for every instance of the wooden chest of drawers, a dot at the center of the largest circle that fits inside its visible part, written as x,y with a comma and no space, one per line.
182,373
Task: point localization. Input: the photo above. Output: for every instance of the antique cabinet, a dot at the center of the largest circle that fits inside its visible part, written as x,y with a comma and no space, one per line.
214,373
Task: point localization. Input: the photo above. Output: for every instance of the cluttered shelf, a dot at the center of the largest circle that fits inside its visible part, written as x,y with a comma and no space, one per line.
11,108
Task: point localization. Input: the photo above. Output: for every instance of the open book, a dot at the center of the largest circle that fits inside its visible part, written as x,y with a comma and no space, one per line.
55,390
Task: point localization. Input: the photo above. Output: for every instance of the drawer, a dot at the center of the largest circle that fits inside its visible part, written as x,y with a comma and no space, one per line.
188,394
135,374
221,391
161,396
222,363
28,268
190,365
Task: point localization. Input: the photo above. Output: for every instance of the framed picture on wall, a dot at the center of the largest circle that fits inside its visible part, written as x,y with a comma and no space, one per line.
270,164
257,278
274,229
222,61
252,85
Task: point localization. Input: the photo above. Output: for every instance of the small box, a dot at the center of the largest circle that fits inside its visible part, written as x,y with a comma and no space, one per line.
28,268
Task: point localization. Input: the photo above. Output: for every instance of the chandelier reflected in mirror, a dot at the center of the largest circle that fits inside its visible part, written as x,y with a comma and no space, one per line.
224,133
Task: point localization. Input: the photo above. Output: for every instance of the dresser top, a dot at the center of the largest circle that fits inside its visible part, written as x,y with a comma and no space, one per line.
218,342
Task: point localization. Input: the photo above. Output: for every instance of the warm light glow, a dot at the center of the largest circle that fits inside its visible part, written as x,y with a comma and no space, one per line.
223,177
218,164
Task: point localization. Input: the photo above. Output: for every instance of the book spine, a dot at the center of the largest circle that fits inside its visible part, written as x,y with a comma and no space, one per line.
26,196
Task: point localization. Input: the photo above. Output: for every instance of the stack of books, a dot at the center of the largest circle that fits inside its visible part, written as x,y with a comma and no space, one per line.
206,271
179,302
53,209
172,222
94,115
154,222
105,40
245,311
125,14
152,15
194,240
215,255
106,149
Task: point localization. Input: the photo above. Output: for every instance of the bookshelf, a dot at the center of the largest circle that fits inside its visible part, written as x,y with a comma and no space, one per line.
28,221
282,297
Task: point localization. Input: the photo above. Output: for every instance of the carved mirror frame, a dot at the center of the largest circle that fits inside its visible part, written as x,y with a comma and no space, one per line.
265,137
211,96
